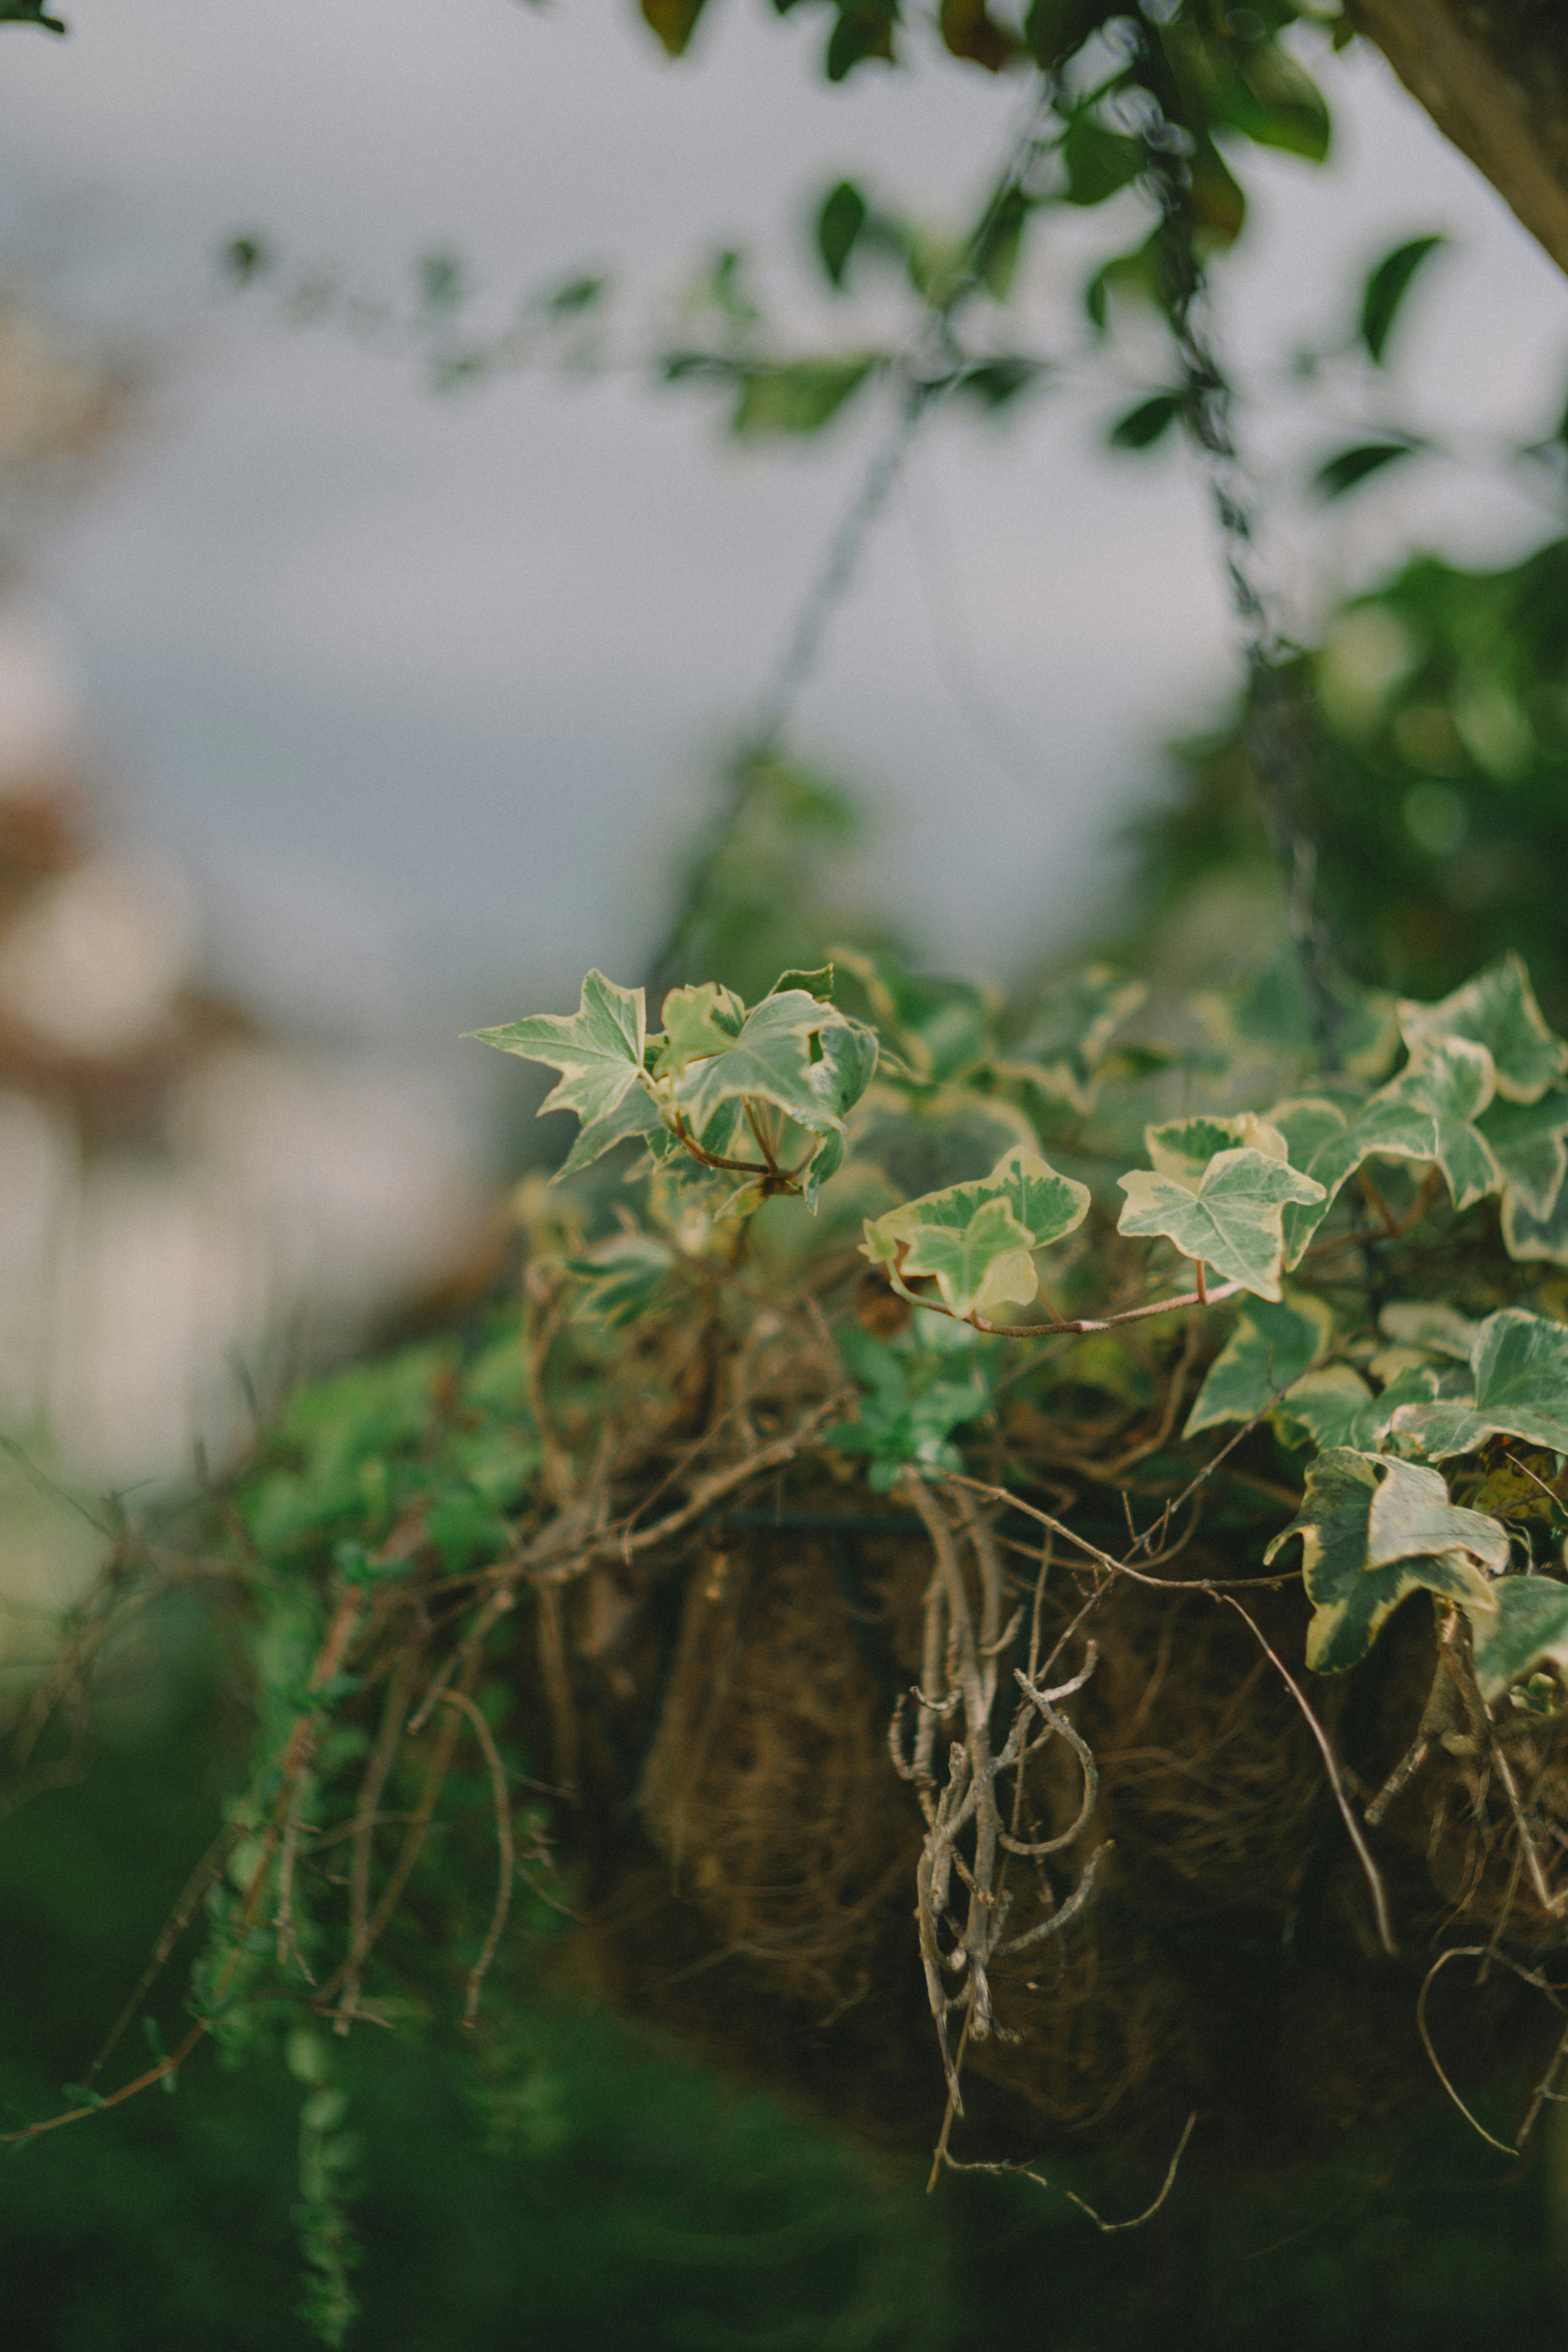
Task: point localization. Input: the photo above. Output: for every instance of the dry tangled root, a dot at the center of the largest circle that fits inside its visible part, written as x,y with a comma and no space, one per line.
1085,1814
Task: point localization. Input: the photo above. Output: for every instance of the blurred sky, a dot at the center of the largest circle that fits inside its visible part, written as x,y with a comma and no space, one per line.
423,690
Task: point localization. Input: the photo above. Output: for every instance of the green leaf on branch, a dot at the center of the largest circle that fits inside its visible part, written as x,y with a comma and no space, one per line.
1182,1147
1497,1010
769,1059
1531,1238
1521,1365
1142,426
1374,1530
801,396
1271,1347
637,1115
697,1022
975,1239
838,225
1331,1148
1453,1080
1350,468
1100,161
30,11
1229,1218
916,1391
1528,1142
1430,1324
1386,288
674,21
1528,1629
979,1265
598,1049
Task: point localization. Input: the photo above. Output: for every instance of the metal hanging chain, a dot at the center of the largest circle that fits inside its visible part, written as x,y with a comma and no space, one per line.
1279,735
929,369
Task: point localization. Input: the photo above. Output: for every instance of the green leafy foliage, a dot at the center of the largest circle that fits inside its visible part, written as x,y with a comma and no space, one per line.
1228,1217
1373,1530
1529,1628
598,1049
1520,1362
1386,288
1142,426
30,11
1269,1351
976,1239
917,1391
1348,468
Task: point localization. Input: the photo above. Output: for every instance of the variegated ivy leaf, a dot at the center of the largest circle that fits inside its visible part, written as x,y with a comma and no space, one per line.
697,1022
1529,1143
1429,1324
1454,1079
1182,1147
979,1265
1531,1238
977,1256
1520,1362
1227,1218
1498,1011
769,1059
1066,1039
598,1049
1330,1148
1336,1407
637,1114
1528,1629
1270,1348
1374,1530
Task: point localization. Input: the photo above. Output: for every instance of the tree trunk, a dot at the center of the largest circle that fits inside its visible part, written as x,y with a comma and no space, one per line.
1493,75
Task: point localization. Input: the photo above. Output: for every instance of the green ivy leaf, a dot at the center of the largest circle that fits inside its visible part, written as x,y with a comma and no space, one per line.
1271,1347
637,1114
1497,1010
1529,1237
697,1022
1182,1147
1530,1630
976,1266
1528,1142
769,1059
1520,1366
975,1239
1453,1080
598,1049
1331,1148
1229,1218
1374,1530
916,1393
1386,288
1429,1324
